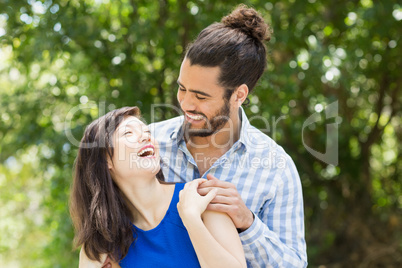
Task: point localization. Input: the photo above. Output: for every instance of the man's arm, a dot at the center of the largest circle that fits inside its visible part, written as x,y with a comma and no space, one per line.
276,235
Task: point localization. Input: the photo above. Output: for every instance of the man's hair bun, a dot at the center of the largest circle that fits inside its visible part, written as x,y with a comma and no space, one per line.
249,21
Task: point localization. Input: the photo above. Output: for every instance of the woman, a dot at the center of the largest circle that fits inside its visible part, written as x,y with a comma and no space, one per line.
121,210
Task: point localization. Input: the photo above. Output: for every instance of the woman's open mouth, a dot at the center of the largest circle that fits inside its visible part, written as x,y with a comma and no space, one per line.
147,151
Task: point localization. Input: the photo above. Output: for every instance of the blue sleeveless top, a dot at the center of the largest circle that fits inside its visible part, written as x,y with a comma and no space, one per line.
167,245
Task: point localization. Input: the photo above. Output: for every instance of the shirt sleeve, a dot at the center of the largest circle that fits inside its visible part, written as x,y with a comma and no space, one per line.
276,237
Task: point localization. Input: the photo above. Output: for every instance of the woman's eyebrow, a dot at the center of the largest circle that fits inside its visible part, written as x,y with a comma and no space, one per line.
124,127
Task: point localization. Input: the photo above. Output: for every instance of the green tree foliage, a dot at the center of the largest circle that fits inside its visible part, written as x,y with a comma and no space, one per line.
64,63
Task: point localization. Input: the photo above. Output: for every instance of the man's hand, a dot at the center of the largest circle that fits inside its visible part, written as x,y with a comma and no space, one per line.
227,200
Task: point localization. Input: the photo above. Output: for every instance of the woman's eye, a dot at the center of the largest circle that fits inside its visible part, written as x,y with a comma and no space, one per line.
127,132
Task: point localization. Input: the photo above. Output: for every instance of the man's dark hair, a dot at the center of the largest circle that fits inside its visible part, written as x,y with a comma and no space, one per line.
236,45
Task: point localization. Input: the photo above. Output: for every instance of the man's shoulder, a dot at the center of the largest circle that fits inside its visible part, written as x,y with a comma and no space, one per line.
172,123
260,143
254,136
164,129
268,157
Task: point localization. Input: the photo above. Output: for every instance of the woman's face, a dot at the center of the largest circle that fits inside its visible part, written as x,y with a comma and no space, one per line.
135,152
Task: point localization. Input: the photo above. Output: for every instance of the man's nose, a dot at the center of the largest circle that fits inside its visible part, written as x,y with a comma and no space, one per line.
187,103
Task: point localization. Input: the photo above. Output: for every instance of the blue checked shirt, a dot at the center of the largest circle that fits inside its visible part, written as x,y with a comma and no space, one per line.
265,177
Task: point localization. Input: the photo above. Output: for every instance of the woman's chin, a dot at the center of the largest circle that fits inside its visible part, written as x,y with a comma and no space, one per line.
150,164
140,167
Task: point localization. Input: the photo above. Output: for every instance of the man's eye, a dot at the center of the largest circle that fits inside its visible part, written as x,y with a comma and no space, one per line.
181,89
200,98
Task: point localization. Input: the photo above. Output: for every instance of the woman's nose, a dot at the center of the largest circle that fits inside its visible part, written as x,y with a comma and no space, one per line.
146,136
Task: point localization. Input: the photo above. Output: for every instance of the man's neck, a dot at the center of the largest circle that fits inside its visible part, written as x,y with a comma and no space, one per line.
219,141
206,150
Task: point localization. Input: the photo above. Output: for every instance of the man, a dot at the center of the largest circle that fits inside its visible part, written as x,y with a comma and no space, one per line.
258,184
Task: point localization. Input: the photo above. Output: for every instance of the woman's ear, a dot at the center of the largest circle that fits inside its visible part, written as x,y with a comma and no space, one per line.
109,164
241,94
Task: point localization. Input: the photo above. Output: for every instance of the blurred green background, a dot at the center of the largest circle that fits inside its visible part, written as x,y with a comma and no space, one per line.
64,63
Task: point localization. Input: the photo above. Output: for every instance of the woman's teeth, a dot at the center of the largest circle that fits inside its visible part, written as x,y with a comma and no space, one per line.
147,152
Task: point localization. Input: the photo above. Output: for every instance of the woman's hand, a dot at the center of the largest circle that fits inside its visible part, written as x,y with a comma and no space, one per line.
214,236
227,200
192,204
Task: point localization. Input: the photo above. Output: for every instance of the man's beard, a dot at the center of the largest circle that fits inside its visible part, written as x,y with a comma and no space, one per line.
210,126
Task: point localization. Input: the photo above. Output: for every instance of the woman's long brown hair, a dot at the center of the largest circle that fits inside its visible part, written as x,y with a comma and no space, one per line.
100,215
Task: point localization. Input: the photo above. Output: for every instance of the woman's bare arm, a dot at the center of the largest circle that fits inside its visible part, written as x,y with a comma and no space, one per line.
214,236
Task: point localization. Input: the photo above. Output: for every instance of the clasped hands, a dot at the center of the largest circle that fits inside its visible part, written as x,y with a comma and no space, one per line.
227,199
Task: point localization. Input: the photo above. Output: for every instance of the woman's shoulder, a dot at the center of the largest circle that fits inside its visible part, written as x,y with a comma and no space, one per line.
173,216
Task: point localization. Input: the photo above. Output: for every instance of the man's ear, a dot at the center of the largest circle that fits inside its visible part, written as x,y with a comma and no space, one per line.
241,94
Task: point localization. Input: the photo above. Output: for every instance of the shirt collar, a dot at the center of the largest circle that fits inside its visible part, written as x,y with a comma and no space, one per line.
245,125
177,133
